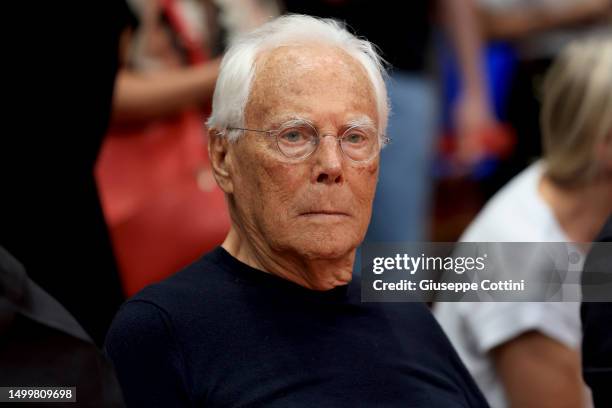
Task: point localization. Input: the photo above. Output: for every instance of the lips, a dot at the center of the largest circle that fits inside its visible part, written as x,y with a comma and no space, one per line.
324,212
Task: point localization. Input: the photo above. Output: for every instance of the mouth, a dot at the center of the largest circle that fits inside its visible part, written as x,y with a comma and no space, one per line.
324,213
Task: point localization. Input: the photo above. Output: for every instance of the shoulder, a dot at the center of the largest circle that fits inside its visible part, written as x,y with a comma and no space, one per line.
138,322
168,306
515,213
425,331
150,339
198,283
430,347
147,356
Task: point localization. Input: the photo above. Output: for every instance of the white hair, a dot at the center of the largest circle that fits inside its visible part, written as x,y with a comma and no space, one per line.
237,70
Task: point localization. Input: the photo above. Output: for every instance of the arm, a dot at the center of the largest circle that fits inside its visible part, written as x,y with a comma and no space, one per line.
518,23
537,371
473,111
145,96
146,357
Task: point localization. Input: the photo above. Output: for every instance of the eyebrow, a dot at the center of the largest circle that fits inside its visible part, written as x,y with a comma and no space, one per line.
360,121
293,121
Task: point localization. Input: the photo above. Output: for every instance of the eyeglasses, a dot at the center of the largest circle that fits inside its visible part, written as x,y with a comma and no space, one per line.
298,141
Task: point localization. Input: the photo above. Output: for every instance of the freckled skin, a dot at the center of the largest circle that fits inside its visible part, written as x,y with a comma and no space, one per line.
269,196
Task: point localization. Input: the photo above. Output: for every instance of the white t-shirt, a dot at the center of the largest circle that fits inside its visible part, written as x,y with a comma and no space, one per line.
516,213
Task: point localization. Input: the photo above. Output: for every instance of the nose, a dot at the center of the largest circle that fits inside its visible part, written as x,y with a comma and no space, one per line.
328,162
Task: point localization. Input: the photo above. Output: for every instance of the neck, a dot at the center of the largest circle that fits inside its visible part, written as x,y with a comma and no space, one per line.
309,272
582,210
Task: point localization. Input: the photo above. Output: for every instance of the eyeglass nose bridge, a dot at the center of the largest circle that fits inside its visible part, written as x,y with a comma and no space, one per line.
319,139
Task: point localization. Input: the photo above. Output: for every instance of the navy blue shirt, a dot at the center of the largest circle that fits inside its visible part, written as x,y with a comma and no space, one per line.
220,333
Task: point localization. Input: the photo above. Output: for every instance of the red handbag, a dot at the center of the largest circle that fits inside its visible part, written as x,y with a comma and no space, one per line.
161,202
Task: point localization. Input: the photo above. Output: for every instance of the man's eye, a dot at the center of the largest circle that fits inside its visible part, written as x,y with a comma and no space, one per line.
293,136
355,138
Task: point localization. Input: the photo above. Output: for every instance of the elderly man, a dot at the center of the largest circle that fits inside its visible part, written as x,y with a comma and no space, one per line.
272,317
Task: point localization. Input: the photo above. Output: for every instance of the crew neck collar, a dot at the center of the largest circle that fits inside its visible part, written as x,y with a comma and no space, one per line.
250,275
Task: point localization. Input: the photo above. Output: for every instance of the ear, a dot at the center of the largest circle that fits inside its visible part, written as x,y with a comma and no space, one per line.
220,160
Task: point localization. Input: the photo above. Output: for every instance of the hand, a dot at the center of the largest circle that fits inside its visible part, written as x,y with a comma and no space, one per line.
580,12
473,117
595,8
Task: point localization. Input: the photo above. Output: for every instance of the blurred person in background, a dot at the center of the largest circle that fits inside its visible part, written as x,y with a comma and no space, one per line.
159,196
403,32
528,354
160,76
537,30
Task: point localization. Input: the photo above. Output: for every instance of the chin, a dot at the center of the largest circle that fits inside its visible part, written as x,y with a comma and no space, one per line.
327,253
326,245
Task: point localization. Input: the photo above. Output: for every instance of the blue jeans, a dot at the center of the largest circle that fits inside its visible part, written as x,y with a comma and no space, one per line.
401,209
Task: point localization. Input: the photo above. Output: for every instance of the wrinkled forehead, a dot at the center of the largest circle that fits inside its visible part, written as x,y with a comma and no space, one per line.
303,79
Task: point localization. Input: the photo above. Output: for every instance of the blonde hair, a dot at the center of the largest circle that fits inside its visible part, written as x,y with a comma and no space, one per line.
576,115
